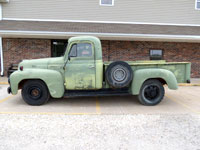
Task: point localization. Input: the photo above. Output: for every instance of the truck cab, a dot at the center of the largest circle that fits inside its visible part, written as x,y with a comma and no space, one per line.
83,64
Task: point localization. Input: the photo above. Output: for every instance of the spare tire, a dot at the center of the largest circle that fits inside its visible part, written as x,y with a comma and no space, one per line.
119,74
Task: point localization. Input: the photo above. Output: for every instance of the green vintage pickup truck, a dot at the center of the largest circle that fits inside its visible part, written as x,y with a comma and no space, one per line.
82,72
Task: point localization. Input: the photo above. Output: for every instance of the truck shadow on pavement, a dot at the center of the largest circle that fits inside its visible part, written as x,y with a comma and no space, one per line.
93,105
90,101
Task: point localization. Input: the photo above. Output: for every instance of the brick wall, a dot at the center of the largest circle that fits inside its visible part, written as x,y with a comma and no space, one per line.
15,50
136,50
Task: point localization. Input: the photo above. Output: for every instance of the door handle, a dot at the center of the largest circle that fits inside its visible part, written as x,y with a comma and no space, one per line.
91,66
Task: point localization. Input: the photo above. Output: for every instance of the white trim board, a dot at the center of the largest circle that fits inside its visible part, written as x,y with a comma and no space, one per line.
90,21
96,33
117,36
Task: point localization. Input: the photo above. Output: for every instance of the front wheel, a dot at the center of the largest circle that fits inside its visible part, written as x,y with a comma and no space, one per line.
35,92
151,92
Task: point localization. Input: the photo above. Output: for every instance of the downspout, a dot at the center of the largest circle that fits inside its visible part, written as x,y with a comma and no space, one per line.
1,48
1,53
109,50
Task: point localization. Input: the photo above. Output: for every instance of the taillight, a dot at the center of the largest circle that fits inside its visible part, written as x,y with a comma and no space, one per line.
21,68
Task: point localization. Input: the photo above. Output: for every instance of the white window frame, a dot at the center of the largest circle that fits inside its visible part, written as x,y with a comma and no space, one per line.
153,56
106,4
197,1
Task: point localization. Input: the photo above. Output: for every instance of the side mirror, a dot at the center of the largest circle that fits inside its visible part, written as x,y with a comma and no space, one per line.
69,57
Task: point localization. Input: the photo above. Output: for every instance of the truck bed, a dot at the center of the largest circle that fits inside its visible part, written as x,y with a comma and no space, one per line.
181,70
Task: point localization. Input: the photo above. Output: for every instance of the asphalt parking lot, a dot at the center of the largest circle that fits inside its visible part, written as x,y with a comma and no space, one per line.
102,122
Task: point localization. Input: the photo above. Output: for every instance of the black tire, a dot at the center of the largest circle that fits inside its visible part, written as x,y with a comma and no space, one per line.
35,92
119,74
151,92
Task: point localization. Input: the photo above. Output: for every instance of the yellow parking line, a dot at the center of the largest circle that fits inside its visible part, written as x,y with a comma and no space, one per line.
6,83
183,104
188,84
98,107
5,99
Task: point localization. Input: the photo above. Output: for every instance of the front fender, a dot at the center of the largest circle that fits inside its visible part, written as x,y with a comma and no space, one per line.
53,79
141,75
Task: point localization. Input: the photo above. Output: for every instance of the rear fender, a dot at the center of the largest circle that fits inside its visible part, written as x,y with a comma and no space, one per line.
141,75
53,79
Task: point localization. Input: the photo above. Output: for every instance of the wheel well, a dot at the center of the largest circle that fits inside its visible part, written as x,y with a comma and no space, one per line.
159,79
21,84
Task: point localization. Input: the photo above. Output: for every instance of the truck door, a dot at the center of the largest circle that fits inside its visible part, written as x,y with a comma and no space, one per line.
80,69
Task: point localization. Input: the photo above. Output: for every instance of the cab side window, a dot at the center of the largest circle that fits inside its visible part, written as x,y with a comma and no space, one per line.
81,50
84,50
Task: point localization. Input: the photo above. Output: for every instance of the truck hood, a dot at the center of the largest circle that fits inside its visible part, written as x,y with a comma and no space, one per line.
43,63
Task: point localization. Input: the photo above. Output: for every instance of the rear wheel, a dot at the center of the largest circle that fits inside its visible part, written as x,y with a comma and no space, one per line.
35,92
151,92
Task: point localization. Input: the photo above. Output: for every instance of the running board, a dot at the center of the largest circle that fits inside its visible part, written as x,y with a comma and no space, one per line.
103,92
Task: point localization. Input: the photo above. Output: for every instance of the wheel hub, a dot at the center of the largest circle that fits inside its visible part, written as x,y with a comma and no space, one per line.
119,74
151,92
35,92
